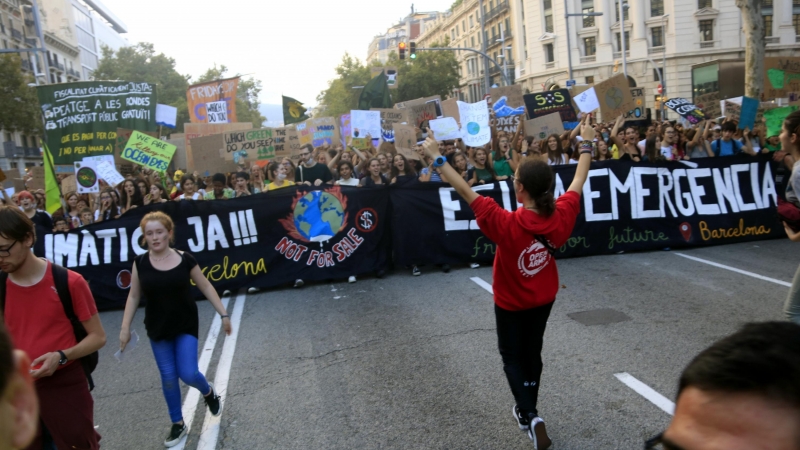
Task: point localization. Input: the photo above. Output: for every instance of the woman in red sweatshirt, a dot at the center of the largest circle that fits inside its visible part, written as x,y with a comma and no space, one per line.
525,273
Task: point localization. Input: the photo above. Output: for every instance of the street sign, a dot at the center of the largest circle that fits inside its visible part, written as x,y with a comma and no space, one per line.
660,89
570,83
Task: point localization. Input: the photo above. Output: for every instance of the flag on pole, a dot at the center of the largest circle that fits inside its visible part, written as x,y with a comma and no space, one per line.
52,194
375,94
293,111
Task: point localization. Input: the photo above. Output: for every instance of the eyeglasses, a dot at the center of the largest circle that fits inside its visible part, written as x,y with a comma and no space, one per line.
7,251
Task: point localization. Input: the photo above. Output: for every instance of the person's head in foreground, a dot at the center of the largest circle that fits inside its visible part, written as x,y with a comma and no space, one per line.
19,409
742,393
533,182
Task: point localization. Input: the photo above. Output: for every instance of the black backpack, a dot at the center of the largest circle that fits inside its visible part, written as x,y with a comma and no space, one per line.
61,279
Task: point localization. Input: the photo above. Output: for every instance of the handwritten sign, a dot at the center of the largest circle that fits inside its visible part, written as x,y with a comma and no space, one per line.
781,76
37,180
390,117
686,109
640,111
69,184
733,110
614,96
542,127
587,100
544,103
445,129
405,138
86,177
217,112
107,172
709,104
198,96
475,123
148,152
344,128
196,130
450,109
365,123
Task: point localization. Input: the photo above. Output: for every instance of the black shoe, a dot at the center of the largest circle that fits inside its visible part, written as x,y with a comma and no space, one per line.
178,431
538,434
524,423
381,273
446,268
415,271
213,403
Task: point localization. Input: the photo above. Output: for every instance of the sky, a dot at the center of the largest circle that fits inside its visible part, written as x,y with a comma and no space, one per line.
292,46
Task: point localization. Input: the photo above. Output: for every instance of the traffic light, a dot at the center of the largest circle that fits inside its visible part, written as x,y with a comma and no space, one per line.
402,50
412,50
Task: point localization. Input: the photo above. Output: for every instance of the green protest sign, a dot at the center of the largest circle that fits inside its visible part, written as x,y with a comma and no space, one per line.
148,151
81,119
775,118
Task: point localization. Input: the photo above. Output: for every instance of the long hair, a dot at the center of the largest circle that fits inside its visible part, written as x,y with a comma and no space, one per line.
487,165
407,168
136,198
653,154
113,209
792,124
554,156
536,178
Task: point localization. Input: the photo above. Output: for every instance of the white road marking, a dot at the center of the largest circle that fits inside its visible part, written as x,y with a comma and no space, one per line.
210,432
193,396
647,392
734,269
479,281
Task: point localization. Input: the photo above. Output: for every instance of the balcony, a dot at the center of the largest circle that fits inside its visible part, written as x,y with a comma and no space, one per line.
29,23
494,70
497,10
708,44
12,150
26,65
495,40
618,55
73,73
588,59
655,50
16,34
32,151
31,42
56,66
772,40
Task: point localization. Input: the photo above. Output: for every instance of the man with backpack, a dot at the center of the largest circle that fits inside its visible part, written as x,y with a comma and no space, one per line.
726,145
51,315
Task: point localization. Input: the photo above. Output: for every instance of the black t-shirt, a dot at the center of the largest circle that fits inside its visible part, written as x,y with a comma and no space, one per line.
312,174
170,309
41,219
369,182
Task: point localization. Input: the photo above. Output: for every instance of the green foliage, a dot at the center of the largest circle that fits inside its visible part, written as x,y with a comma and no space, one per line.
246,96
340,97
140,63
20,109
456,4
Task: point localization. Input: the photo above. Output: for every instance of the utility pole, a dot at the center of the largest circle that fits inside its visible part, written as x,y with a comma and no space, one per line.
39,32
622,37
567,15
663,67
502,41
487,81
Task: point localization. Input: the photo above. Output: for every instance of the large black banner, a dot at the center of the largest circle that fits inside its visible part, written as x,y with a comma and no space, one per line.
625,206
264,240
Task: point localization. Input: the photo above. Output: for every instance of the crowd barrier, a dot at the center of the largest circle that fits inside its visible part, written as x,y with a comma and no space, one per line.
329,233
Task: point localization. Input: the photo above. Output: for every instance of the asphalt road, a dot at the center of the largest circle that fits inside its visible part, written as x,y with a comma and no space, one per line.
412,362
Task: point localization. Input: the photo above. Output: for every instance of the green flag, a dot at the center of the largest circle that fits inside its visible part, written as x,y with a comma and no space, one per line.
293,111
375,94
52,193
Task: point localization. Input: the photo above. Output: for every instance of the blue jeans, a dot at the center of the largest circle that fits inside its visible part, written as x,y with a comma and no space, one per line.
177,358
792,307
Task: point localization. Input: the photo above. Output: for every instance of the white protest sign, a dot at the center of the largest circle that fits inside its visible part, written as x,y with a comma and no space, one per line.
587,100
217,112
363,123
101,158
475,122
166,115
109,173
86,176
445,129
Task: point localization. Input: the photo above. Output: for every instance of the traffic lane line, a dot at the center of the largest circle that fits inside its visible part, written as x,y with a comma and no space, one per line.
210,432
734,269
647,392
479,281
193,396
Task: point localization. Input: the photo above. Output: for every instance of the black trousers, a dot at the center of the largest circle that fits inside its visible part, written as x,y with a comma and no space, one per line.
519,336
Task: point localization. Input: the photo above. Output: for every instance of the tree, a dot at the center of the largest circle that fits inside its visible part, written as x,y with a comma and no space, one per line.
246,95
20,109
140,63
753,25
340,97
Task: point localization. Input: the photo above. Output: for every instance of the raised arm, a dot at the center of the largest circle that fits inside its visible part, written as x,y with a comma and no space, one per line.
747,146
432,149
585,160
620,145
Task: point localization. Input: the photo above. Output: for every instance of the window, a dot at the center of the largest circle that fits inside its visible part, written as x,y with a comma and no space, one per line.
471,22
627,42
796,22
548,16
548,53
587,7
463,25
473,41
657,75
589,46
766,12
656,8
706,30
508,26
703,4
657,37
453,35
590,79
616,10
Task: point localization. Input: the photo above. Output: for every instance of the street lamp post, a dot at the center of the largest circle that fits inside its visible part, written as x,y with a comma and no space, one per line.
502,40
663,67
567,15
622,7
483,48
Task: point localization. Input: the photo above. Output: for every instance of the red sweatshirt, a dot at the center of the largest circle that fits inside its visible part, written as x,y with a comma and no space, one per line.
525,274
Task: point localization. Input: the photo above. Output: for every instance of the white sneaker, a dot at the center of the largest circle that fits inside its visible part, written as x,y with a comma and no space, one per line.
538,435
352,279
298,283
226,292
474,266
252,290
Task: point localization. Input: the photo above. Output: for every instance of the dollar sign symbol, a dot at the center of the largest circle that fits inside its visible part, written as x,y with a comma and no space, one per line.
366,221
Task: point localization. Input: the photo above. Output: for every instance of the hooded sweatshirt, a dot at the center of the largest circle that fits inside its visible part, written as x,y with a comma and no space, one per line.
525,274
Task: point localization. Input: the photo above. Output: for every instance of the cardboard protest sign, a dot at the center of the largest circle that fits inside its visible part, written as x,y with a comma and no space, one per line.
250,144
217,112
305,132
195,130
709,104
360,143
390,117
19,185
209,156
69,184
293,145
326,132
508,101
405,138
81,118
587,100
614,96
544,103
199,95
436,99
450,109
639,112
147,151
445,129
781,76
748,113
2,175
391,75
363,123
420,114
542,127
107,172
86,176
37,178
686,109
733,110
122,137
179,158
475,123
344,128
775,117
